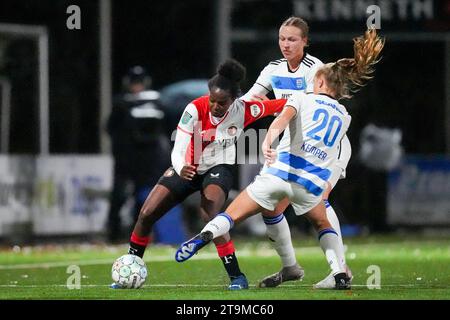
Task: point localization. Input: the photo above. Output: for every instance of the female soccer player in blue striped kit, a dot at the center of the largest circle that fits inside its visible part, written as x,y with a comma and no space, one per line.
295,73
299,169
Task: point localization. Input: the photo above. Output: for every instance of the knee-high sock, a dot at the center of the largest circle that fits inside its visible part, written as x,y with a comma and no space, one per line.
280,237
329,242
220,225
138,245
334,221
227,254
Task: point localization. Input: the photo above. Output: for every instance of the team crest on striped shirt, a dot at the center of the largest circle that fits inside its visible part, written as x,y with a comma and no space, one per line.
300,82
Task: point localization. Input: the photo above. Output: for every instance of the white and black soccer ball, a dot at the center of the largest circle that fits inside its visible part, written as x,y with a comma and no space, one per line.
129,271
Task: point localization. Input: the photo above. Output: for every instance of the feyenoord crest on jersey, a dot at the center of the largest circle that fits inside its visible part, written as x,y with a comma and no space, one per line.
255,110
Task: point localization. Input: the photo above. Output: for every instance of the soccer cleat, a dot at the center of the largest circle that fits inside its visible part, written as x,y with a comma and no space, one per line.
286,274
343,282
329,282
192,246
238,283
115,286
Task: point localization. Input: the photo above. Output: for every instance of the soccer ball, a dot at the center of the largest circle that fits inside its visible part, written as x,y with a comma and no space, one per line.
129,271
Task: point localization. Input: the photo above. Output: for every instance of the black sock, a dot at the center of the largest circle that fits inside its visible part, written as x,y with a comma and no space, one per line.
231,264
136,249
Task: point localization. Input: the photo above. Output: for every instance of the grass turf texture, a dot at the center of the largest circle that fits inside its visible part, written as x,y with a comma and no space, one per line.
410,268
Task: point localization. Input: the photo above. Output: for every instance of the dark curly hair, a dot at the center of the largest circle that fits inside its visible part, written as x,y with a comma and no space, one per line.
229,75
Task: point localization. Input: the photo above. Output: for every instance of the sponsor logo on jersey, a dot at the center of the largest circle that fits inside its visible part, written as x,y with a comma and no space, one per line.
255,110
288,83
232,130
186,117
226,142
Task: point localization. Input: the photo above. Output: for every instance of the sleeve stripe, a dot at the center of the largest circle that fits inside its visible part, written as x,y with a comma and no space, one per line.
340,148
309,60
189,133
290,106
306,63
263,86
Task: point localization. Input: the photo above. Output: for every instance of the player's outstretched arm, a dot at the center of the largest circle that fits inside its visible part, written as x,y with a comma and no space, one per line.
275,129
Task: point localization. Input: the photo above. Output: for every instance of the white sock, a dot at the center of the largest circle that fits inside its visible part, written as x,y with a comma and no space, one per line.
220,225
280,237
329,242
334,221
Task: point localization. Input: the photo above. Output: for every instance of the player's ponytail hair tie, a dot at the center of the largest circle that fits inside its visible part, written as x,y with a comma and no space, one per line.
229,75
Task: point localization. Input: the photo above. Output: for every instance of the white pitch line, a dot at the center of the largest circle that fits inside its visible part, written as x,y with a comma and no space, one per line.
244,252
46,265
195,286
149,259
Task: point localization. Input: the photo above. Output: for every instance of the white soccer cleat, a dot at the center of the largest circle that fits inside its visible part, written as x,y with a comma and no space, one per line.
329,281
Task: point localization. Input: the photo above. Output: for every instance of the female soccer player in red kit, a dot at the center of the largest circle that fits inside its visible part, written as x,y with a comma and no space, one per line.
203,158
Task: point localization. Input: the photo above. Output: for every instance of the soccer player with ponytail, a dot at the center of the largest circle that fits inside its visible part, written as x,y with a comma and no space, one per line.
203,158
295,73
299,169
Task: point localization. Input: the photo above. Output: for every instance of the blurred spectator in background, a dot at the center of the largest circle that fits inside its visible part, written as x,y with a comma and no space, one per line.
140,146
380,152
381,148
176,96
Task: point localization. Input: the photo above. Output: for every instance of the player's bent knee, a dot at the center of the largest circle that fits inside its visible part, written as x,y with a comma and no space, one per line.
212,198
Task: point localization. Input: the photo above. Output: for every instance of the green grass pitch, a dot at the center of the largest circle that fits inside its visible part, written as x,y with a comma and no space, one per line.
410,268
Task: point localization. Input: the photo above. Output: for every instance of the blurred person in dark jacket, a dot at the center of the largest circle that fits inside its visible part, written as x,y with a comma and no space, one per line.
140,146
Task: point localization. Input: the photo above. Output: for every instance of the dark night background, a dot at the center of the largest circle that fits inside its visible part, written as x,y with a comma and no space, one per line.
175,41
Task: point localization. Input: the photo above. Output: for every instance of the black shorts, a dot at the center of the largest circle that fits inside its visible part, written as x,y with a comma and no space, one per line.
221,175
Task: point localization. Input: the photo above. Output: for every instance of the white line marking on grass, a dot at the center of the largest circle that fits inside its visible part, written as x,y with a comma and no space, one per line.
162,258
186,285
263,251
46,265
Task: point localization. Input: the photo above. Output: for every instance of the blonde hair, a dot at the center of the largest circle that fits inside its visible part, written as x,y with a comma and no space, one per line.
346,76
299,23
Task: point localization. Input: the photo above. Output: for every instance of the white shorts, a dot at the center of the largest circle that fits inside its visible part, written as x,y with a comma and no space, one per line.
268,190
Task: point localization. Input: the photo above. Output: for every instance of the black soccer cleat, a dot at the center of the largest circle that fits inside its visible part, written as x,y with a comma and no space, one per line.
343,281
